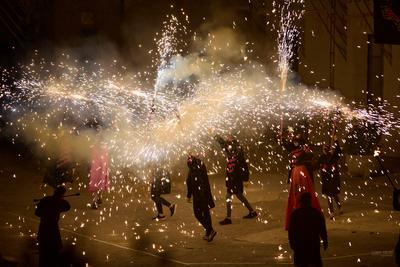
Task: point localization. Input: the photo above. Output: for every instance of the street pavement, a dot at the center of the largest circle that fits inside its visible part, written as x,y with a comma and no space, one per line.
122,233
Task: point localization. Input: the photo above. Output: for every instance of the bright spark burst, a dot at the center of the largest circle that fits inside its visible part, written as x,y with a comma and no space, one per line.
288,35
52,102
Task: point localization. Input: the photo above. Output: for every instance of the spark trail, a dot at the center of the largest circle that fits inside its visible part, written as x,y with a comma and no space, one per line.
142,126
52,103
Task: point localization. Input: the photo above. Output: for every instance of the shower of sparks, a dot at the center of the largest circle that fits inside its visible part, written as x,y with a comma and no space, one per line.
169,45
51,97
288,35
287,40
52,104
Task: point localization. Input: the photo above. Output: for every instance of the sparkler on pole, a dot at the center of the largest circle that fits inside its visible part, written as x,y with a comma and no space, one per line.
288,34
334,129
70,195
167,47
144,131
229,100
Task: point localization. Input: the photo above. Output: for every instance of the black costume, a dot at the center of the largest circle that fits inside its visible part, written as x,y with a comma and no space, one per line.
161,185
198,186
49,237
237,171
306,228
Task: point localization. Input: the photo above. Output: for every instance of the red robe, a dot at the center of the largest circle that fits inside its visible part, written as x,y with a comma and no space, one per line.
300,182
99,170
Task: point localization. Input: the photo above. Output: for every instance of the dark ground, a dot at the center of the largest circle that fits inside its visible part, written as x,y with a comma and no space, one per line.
122,233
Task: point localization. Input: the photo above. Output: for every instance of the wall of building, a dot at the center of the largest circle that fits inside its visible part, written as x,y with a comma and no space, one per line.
351,73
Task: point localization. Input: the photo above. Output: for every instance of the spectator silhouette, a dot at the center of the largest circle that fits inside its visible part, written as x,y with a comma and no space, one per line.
49,237
306,228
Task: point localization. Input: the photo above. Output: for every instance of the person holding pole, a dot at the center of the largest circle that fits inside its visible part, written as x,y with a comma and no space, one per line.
49,209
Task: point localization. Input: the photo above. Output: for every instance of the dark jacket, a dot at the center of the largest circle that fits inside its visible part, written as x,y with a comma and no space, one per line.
49,209
198,185
330,175
306,228
161,183
237,169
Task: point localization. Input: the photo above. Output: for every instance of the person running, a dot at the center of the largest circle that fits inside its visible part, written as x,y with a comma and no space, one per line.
49,237
198,187
161,184
237,172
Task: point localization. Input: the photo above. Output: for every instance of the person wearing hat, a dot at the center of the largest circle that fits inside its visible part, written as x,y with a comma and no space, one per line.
295,143
49,209
300,179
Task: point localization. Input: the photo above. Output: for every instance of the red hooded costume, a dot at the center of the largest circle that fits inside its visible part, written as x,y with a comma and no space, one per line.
300,181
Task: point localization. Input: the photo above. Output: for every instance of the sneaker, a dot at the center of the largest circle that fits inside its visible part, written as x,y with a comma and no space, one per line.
211,236
251,214
159,217
225,221
172,209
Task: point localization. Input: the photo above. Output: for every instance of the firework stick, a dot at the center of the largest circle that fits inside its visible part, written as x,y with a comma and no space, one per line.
281,128
71,195
283,89
334,130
